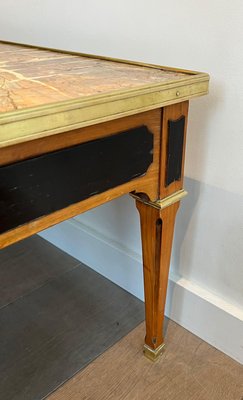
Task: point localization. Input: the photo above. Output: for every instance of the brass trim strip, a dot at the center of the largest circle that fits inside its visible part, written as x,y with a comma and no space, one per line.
152,354
18,127
163,203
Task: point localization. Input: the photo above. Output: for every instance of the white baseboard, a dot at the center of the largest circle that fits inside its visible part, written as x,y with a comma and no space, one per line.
196,309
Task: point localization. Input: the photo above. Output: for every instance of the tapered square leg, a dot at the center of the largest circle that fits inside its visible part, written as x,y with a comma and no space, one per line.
157,228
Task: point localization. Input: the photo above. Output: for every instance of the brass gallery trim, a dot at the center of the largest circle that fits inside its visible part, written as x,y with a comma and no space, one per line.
166,202
153,354
37,122
120,60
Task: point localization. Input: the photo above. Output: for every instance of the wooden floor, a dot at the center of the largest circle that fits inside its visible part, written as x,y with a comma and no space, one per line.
189,369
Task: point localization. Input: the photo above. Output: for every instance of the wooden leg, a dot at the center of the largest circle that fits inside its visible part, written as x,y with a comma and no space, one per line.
157,227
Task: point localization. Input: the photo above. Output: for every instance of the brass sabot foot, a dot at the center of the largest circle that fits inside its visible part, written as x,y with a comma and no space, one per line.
153,354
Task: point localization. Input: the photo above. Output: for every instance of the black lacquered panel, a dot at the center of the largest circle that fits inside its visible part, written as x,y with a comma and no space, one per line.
175,149
39,186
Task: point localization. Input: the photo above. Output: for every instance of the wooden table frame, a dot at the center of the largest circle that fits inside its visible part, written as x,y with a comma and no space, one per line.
158,112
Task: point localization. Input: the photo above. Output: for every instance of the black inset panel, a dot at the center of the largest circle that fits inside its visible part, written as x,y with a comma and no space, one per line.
175,150
39,186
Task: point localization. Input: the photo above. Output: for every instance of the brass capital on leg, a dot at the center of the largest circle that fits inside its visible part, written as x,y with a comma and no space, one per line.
162,203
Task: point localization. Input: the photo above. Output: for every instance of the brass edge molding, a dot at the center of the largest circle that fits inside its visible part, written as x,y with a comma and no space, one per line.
153,354
24,125
163,203
125,94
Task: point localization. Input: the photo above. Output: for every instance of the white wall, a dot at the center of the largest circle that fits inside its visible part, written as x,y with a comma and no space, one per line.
207,262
